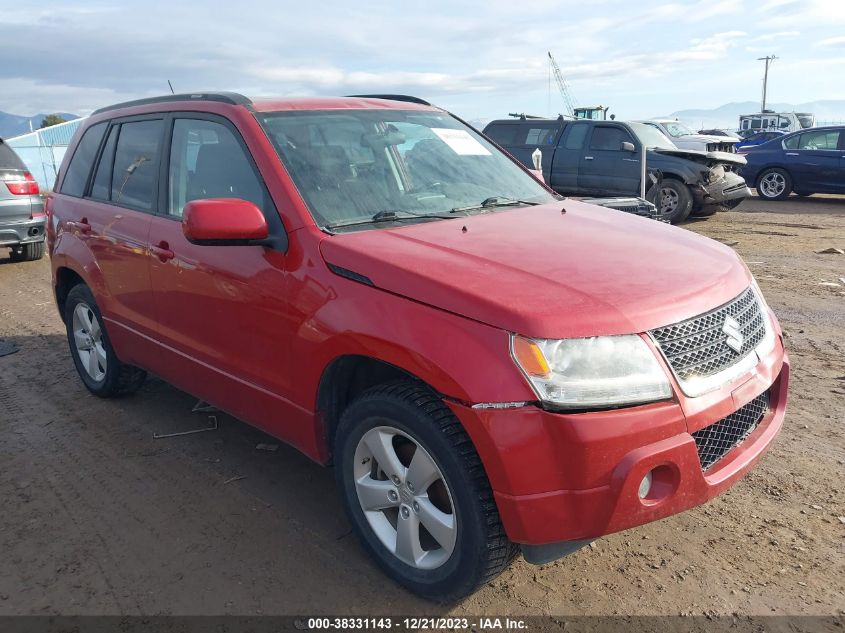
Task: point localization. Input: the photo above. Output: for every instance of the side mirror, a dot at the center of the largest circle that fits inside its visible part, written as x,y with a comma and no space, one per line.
224,222
628,146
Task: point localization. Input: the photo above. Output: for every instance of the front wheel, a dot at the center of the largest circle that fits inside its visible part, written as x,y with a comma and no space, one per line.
774,184
96,363
416,493
674,201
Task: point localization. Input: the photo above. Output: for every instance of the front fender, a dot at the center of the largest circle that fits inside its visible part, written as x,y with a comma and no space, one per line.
460,358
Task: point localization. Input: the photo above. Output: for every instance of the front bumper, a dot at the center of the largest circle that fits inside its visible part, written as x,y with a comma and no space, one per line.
730,187
22,231
574,477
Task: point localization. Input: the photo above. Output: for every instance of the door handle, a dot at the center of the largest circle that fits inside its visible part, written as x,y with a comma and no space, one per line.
162,251
82,225
588,158
792,154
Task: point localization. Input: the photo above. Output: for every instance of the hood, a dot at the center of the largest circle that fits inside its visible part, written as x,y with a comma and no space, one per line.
698,155
542,273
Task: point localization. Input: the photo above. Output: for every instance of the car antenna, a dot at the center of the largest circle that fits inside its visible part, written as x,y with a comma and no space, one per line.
173,92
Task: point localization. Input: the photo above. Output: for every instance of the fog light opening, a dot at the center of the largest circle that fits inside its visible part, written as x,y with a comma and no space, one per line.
645,485
658,484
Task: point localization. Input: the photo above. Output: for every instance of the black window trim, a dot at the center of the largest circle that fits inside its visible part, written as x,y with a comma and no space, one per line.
119,121
99,158
278,233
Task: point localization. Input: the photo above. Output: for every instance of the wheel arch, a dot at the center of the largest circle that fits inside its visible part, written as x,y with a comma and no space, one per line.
347,377
66,279
765,168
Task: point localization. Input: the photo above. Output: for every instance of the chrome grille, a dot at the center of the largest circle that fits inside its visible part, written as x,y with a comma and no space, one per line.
713,442
698,347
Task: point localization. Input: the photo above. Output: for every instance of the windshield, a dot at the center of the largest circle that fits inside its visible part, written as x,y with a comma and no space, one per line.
354,166
676,129
651,136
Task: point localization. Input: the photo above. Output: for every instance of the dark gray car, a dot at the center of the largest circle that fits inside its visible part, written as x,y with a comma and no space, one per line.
22,217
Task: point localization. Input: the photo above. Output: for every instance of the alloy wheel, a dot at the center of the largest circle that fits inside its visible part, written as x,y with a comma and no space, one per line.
405,498
773,184
88,340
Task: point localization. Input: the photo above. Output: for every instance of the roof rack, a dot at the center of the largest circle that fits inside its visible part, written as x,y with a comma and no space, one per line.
522,116
232,98
407,98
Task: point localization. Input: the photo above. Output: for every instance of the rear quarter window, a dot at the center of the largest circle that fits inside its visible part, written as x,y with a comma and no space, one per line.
80,165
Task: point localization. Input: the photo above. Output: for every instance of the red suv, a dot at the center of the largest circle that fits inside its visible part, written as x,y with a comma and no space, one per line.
489,367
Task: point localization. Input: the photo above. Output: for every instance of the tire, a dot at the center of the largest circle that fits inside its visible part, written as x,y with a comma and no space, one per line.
27,252
402,418
674,201
104,375
774,183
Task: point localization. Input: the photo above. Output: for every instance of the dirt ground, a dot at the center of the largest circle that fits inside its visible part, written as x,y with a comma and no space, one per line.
98,517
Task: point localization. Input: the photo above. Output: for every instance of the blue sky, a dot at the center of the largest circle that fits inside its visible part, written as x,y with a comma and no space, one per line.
478,59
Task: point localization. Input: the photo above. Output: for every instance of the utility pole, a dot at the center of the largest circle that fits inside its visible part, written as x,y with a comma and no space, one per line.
768,59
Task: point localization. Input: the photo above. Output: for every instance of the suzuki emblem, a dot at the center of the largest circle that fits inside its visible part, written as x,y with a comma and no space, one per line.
735,338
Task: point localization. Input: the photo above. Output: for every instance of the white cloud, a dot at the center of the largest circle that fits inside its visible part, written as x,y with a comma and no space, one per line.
835,42
481,56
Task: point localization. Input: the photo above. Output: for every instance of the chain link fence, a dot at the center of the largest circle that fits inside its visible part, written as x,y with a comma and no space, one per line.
42,151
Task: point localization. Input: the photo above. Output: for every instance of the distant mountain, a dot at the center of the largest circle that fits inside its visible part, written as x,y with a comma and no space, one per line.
15,124
727,116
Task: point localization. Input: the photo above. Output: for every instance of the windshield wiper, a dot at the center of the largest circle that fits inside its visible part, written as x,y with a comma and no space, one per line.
492,202
389,215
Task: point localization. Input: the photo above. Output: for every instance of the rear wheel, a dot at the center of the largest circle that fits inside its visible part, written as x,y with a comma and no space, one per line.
674,201
97,364
774,184
416,493
27,252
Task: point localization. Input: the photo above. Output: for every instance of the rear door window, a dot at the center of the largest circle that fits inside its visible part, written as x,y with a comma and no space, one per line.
83,159
136,155
825,139
576,135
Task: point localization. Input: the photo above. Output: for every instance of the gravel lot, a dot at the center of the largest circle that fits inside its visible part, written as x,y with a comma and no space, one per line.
98,517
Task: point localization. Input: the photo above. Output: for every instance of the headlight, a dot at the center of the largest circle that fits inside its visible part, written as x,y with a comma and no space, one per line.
602,371
768,343
716,173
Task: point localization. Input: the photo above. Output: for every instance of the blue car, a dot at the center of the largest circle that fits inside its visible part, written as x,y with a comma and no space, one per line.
805,162
759,138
